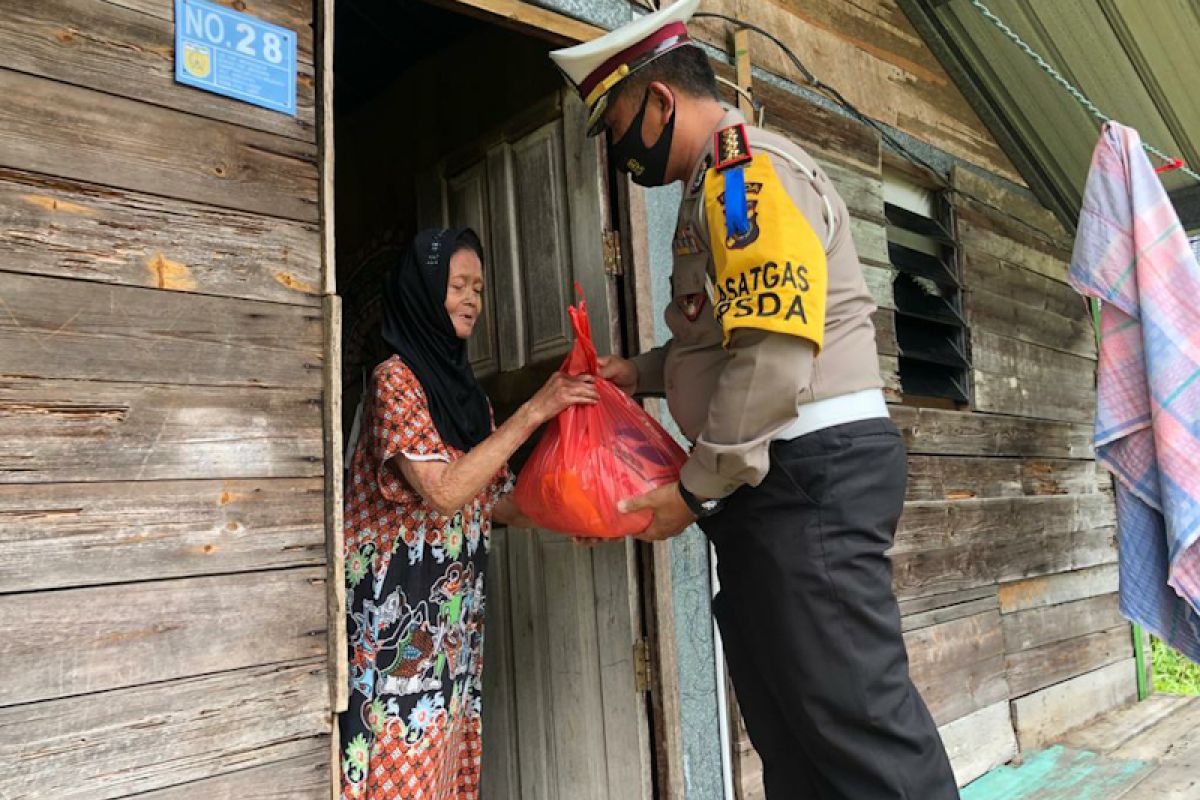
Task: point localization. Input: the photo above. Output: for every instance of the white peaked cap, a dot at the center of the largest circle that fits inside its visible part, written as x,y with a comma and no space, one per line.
595,67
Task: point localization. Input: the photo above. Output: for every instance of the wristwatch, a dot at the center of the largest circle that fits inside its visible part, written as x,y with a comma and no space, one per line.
700,508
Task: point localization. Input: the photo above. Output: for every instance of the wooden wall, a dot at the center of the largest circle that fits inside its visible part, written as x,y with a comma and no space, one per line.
1005,557
163,612
869,51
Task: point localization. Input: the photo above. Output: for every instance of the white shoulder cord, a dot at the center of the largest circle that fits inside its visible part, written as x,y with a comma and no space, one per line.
830,220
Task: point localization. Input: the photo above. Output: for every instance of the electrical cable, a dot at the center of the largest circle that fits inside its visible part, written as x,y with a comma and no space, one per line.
886,135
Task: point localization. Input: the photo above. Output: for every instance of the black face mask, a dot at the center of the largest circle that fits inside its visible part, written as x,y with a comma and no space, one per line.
647,166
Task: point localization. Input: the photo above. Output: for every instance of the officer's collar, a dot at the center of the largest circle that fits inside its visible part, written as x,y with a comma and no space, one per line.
707,155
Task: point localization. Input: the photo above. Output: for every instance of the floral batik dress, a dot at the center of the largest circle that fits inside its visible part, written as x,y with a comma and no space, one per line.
415,602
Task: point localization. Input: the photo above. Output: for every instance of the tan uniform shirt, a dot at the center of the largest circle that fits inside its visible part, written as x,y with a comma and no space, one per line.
732,401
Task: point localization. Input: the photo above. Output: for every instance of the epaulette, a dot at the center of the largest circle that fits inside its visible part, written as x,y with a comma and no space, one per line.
732,154
731,148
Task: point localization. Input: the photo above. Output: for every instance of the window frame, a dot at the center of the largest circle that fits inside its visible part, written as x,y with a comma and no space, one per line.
944,355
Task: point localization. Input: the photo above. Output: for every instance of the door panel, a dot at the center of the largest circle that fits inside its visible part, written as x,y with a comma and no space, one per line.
545,241
563,715
467,202
506,260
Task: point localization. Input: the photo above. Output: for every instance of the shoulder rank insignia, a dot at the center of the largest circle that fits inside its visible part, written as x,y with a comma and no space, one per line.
732,148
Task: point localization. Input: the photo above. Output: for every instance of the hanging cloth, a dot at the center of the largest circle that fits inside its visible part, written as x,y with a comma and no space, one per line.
1132,253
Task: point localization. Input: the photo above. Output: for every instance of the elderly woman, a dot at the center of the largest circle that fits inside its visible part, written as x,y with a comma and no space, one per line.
427,478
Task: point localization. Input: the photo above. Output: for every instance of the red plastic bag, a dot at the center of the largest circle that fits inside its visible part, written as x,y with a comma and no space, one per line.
593,456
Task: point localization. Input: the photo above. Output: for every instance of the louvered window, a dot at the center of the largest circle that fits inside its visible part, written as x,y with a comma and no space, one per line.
931,327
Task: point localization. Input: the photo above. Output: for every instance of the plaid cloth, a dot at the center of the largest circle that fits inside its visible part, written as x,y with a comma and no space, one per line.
1132,253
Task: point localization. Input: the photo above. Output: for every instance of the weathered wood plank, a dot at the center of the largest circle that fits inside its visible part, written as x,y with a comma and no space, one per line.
889,371
334,499
501,768
827,135
979,741
113,744
951,545
1005,196
870,241
77,641
574,690
1042,717
936,432
530,684
1167,783
996,311
978,236
72,230
952,607
1030,670
932,602
326,145
1014,377
1027,246
1018,303
958,666
1059,773
1117,728
526,18
748,775
57,536
879,283
861,191
62,431
54,328
626,736
296,15
1048,624
885,332
983,272
871,52
304,777
1174,741
1054,589
962,478
85,135
104,46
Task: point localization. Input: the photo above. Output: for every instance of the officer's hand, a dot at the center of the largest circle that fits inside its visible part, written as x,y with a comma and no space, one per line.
671,514
621,371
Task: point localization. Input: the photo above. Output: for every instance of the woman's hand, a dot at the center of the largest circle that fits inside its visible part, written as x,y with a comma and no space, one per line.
506,512
559,393
621,372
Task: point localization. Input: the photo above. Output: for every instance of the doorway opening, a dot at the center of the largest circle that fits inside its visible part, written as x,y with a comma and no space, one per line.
444,119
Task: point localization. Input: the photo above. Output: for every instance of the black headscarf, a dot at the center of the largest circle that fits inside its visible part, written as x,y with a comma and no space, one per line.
417,328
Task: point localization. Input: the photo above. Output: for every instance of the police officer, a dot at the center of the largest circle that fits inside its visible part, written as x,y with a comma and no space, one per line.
797,474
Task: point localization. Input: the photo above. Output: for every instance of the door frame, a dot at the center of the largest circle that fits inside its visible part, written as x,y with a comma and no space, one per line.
652,561
331,314
655,557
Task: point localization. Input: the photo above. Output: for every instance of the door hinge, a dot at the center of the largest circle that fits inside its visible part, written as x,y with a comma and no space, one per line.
642,670
612,253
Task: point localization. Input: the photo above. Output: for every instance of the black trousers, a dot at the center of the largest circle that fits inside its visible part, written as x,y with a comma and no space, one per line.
810,624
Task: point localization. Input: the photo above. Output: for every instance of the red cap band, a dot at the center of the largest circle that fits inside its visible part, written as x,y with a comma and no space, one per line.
631,54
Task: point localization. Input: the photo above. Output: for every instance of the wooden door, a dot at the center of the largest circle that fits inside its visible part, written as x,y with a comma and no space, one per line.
564,715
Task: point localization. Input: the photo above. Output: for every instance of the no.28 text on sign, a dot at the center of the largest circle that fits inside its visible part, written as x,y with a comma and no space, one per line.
235,54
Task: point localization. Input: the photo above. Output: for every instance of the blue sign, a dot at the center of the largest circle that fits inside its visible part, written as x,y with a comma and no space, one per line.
236,55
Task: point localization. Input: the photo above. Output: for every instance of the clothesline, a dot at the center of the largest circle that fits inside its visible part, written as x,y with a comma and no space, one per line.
1170,162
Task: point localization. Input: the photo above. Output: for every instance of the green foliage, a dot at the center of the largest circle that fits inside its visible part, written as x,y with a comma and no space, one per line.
1173,673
